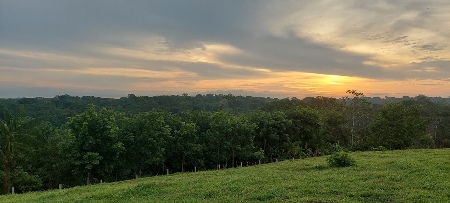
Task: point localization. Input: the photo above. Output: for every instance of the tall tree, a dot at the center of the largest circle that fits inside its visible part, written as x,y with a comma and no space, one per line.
13,128
183,146
96,145
271,133
359,112
146,133
232,136
334,128
397,127
51,157
306,127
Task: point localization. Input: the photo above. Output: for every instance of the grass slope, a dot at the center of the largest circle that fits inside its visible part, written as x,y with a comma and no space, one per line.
389,176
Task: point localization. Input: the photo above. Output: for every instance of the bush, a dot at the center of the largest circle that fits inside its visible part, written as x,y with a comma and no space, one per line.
22,181
332,148
340,159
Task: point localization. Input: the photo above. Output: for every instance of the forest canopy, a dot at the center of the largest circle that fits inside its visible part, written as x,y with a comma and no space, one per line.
74,140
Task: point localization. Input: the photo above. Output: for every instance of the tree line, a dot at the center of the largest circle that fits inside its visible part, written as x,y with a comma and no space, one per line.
104,144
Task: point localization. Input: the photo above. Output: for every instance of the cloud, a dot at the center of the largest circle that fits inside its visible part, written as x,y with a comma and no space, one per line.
430,47
257,45
390,33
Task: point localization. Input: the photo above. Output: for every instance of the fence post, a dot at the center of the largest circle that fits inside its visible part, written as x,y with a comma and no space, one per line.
12,190
167,171
60,186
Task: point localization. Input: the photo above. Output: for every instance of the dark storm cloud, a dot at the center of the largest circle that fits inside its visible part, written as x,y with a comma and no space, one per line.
183,22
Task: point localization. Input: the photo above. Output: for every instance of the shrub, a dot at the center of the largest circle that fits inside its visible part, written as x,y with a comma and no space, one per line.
340,159
25,182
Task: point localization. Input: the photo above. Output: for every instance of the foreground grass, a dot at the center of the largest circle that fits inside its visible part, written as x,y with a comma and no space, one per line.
389,176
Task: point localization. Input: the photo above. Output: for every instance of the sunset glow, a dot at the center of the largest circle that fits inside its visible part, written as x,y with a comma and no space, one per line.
269,48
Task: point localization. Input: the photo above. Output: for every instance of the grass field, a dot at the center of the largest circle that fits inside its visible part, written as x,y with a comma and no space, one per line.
381,176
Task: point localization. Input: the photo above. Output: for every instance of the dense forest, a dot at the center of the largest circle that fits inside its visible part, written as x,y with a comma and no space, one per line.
73,140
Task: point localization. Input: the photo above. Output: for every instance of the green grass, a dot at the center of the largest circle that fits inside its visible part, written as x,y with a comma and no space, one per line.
382,176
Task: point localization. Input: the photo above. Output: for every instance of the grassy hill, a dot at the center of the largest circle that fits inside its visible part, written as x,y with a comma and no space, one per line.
382,176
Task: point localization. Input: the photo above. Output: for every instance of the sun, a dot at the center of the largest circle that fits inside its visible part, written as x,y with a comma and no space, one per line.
333,79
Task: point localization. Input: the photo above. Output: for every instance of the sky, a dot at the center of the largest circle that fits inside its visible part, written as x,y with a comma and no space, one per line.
297,48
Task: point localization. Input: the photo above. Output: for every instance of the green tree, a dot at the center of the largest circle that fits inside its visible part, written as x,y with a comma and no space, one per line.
51,159
241,135
283,104
232,136
271,133
359,111
146,136
306,126
13,131
97,145
324,103
397,127
183,147
24,181
205,137
33,159
334,128
435,113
